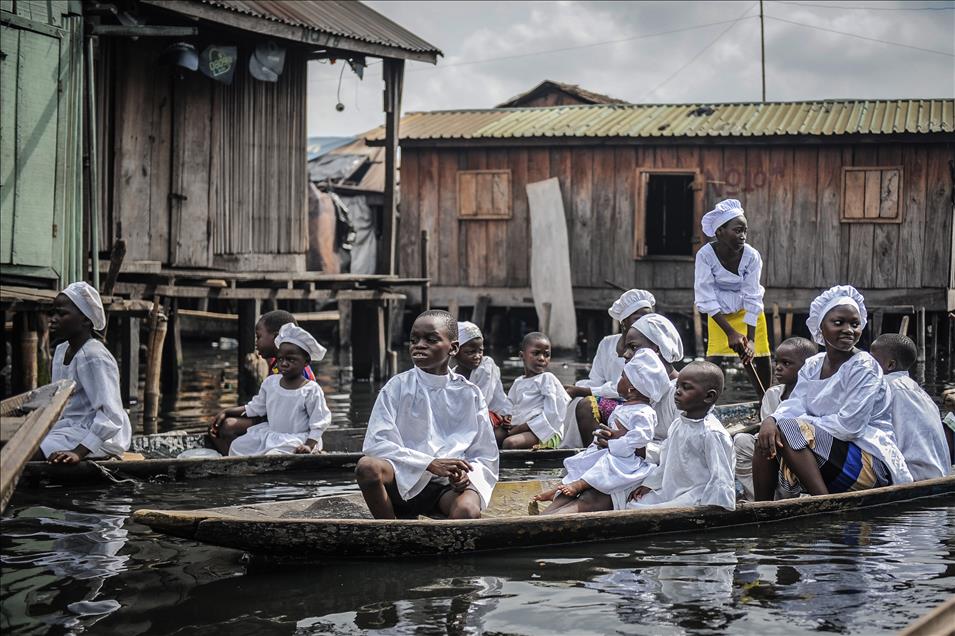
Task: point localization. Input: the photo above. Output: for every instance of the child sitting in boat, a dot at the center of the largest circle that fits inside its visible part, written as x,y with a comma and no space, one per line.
834,433
294,407
429,446
538,399
613,465
226,426
919,432
482,371
791,354
696,460
93,424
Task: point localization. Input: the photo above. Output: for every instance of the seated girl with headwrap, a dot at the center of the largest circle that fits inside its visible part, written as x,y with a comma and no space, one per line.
482,371
594,399
294,407
834,432
93,423
728,291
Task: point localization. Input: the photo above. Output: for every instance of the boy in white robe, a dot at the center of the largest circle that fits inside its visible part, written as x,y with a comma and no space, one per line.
538,399
429,446
601,476
696,460
919,431
294,407
482,371
93,423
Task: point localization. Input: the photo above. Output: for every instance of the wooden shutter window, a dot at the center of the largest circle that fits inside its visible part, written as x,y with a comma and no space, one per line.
484,195
871,195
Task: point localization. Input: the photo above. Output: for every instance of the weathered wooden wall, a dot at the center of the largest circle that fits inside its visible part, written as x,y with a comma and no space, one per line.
792,197
202,174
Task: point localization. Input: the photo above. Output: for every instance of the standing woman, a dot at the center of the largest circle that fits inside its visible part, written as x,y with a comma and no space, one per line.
728,291
93,423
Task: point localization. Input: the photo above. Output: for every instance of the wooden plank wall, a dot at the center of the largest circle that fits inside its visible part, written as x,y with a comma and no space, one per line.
792,196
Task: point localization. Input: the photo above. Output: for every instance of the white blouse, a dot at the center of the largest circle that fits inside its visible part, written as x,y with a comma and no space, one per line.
852,405
419,417
719,290
918,428
606,369
94,415
540,402
487,377
696,468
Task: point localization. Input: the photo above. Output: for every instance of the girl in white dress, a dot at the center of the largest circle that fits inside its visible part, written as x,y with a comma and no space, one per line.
538,399
294,408
93,423
481,371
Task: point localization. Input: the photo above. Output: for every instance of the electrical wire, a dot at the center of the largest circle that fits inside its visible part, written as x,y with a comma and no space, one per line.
860,37
840,6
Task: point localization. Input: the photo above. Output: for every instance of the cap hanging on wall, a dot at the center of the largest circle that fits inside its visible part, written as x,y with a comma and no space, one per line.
180,54
267,61
219,62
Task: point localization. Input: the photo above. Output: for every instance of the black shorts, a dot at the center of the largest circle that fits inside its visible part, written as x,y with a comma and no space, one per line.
424,503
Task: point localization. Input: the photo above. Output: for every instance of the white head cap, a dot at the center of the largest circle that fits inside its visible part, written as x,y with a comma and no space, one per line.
468,331
293,334
629,302
828,300
87,300
647,375
724,211
663,334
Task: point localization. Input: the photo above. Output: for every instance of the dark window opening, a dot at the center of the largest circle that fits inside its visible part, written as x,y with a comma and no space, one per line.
669,214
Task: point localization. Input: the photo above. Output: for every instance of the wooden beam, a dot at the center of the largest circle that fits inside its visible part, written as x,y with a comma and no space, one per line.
393,72
144,31
248,314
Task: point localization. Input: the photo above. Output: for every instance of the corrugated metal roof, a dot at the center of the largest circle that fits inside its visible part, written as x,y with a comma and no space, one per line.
841,117
582,94
344,18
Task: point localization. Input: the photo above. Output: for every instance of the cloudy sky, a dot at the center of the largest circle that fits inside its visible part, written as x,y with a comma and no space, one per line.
651,52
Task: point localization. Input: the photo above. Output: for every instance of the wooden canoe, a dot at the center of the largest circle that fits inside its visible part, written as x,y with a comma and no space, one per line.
339,525
25,420
345,449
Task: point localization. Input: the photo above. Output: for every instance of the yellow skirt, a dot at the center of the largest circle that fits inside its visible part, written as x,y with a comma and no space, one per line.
718,345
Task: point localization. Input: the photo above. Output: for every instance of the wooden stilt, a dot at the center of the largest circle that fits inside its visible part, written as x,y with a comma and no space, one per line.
789,320
129,361
698,333
425,273
904,326
381,369
25,353
920,343
931,370
877,317
151,391
248,314
545,317
364,348
344,335
777,326
172,351
480,311
44,358
396,318
454,308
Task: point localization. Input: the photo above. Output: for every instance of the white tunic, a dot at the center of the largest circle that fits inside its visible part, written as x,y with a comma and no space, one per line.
94,415
605,370
617,467
771,400
487,377
696,467
419,417
718,290
666,412
918,428
852,405
294,416
540,402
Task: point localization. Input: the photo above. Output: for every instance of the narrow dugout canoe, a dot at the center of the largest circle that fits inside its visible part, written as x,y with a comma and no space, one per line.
340,525
344,445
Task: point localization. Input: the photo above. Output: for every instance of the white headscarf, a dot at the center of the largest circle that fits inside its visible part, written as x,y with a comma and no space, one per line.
724,211
663,334
293,334
629,302
468,331
647,375
87,300
829,299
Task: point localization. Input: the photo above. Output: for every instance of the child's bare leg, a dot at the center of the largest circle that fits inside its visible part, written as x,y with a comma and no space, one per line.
560,504
500,434
460,505
765,477
574,488
592,500
374,477
547,495
230,429
803,464
520,440
586,423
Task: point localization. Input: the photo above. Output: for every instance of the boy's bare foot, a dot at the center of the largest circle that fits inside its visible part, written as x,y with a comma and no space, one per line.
547,495
574,488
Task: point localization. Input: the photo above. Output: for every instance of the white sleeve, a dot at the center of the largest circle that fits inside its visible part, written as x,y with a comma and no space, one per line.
753,291
498,401
100,379
383,440
860,387
720,489
794,406
319,416
483,455
599,380
654,481
704,286
256,406
919,433
640,427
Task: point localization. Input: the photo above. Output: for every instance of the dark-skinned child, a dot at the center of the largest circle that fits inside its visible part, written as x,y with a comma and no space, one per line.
293,407
696,460
230,423
93,424
429,447
601,476
483,372
538,400
919,432
834,432
594,398
791,355
727,289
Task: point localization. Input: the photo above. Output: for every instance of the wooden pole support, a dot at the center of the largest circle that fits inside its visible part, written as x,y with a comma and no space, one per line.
920,341
248,313
789,321
425,273
151,391
777,326
29,342
698,333
344,334
545,317
479,315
